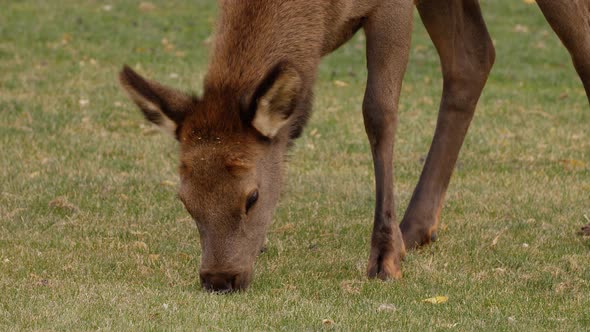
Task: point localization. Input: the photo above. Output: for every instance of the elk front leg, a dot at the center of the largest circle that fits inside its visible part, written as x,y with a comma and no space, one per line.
388,30
570,19
460,36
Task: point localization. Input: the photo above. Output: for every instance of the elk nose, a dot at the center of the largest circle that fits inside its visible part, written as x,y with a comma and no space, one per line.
219,282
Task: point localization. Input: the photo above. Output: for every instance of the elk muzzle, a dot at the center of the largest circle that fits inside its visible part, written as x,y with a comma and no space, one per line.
224,282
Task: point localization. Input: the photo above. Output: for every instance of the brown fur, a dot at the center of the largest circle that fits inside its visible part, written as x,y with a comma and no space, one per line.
257,99
570,19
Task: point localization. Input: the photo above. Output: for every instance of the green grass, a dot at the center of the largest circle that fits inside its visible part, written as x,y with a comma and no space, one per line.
93,237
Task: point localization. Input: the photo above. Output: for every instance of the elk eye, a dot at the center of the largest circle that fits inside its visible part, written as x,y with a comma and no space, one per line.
252,198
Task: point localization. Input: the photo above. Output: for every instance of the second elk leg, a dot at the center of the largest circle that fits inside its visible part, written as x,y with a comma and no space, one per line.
466,53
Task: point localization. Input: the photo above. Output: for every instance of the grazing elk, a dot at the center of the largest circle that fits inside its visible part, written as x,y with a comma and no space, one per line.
257,98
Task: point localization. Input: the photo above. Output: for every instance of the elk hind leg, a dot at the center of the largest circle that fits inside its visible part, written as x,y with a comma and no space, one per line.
460,36
571,22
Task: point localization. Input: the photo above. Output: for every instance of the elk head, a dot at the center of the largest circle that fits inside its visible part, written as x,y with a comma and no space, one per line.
232,149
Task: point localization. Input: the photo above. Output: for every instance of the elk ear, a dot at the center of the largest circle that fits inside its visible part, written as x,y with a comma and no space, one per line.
275,100
163,106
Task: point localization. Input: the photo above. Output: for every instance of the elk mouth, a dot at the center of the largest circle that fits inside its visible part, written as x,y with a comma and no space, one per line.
223,282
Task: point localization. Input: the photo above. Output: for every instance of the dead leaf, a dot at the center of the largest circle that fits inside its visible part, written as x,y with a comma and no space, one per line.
351,286
38,280
185,219
185,256
315,133
140,245
420,48
147,7
495,240
571,164
436,300
140,234
540,45
168,46
327,322
168,183
25,117
14,212
387,307
66,38
285,228
521,28
62,204
43,282
339,83
449,325
427,101
144,270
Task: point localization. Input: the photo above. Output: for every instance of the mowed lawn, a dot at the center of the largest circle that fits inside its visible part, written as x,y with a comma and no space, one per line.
93,237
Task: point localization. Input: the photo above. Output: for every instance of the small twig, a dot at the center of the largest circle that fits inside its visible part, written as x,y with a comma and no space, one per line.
495,240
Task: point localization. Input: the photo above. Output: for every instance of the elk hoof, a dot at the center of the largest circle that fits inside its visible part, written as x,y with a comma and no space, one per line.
385,265
384,271
434,236
416,237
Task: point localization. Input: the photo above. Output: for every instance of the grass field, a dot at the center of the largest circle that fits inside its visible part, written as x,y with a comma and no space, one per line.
93,237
